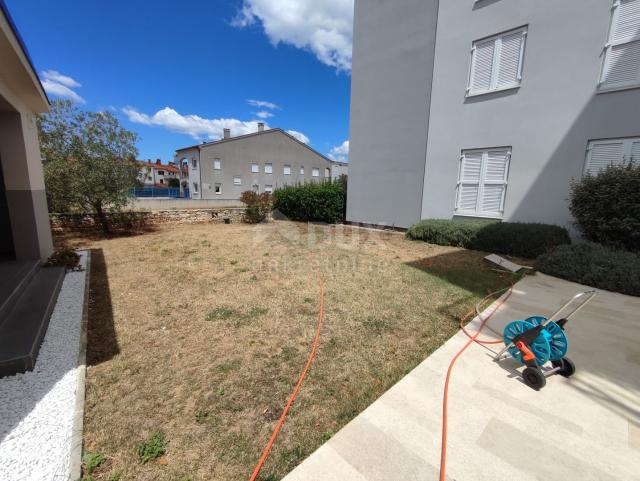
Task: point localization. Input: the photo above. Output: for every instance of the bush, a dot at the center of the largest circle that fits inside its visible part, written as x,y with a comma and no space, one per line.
510,238
607,207
519,239
444,232
258,206
320,202
594,265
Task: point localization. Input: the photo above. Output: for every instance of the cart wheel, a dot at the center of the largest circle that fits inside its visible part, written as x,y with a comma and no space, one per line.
534,378
566,365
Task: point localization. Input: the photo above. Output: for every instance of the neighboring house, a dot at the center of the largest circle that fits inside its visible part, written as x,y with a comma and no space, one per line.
261,161
157,174
339,169
490,107
27,292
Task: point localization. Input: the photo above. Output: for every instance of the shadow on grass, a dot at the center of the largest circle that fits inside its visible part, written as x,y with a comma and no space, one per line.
78,238
102,342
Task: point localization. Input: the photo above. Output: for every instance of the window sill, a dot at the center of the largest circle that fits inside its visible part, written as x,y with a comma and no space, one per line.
489,92
480,216
606,90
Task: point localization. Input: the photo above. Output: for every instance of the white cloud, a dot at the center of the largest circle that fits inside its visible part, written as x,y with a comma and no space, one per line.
299,135
57,77
193,125
324,27
262,104
340,153
263,114
58,90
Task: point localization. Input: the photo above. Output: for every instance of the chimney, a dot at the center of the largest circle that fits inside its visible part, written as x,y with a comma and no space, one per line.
227,133
158,162
260,126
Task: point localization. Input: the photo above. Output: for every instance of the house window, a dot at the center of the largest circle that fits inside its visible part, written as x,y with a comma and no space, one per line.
302,170
194,163
217,165
255,168
496,62
218,188
287,170
268,188
237,180
327,172
268,168
602,153
195,187
482,182
315,172
161,172
621,66
162,181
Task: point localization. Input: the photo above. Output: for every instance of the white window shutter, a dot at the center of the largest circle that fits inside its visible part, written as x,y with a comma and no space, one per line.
469,185
626,24
482,67
603,154
471,166
635,152
622,65
509,64
494,182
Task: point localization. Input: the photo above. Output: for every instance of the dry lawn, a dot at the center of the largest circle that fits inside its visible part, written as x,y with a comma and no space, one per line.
200,331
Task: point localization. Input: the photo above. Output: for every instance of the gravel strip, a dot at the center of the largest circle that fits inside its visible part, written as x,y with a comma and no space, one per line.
37,408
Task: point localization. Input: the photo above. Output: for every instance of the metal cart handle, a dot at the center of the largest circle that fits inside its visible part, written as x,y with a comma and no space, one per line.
589,295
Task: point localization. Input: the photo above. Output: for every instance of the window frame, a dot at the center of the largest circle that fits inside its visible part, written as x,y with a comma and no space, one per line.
607,49
194,163
524,29
239,178
315,172
627,149
284,169
217,188
217,164
268,188
302,170
195,188
269,166
481,182
257,166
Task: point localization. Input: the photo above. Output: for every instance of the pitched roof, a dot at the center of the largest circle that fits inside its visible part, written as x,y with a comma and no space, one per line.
154,165
253,134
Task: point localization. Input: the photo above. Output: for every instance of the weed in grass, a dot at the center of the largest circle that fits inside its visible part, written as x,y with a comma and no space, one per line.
115,476
308,300
288,353
257,311
291,457
233,262
243,269
91,461
152,448
220,313
269,477
326,436
346,415
376,325
227,367
202,417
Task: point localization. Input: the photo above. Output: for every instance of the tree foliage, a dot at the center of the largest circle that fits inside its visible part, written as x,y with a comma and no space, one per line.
89,160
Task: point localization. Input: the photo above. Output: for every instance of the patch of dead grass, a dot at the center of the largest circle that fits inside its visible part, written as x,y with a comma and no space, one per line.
212,325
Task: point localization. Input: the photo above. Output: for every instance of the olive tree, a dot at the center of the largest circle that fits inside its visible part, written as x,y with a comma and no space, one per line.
89,160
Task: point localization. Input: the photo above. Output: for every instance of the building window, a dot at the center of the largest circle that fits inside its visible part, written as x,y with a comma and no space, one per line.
302,170
217,165
268,168
621,66
161,172
327,172
287,170
315,172
256,187
268,188
482,182
237,180
255,168
195,187
603,153
496,62
194,163
162,181
218,188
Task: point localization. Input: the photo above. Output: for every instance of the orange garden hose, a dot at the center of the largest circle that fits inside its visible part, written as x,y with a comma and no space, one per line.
292,398
472,338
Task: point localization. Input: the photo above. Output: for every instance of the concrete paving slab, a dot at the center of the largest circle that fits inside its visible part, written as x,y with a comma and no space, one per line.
586,427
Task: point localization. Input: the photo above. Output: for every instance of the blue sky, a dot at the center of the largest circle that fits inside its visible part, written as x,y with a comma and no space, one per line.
179,72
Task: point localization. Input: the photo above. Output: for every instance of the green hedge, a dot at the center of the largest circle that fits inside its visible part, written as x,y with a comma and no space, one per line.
510,238
316,202
594,265
520,239
607,207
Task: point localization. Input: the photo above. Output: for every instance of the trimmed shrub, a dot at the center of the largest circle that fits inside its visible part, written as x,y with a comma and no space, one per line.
258,206
510,238
594,265
519,239
607,206
444,232
316,202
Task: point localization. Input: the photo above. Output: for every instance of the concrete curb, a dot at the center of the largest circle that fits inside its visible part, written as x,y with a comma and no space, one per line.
75,457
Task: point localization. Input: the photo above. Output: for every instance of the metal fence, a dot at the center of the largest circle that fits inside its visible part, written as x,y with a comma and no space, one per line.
159,192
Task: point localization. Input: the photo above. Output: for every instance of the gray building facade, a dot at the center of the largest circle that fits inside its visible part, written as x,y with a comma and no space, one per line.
262,161
491,107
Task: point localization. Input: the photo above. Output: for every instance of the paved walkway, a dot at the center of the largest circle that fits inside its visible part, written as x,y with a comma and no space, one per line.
583,428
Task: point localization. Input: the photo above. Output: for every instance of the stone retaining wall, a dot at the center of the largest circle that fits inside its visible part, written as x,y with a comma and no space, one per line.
131,219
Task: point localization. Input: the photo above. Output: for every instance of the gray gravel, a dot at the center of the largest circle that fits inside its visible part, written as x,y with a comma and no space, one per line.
37,408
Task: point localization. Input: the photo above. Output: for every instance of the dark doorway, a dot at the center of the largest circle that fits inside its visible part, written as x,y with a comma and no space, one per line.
7,251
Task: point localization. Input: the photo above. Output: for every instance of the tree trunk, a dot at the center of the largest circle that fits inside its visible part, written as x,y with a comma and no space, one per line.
102,217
